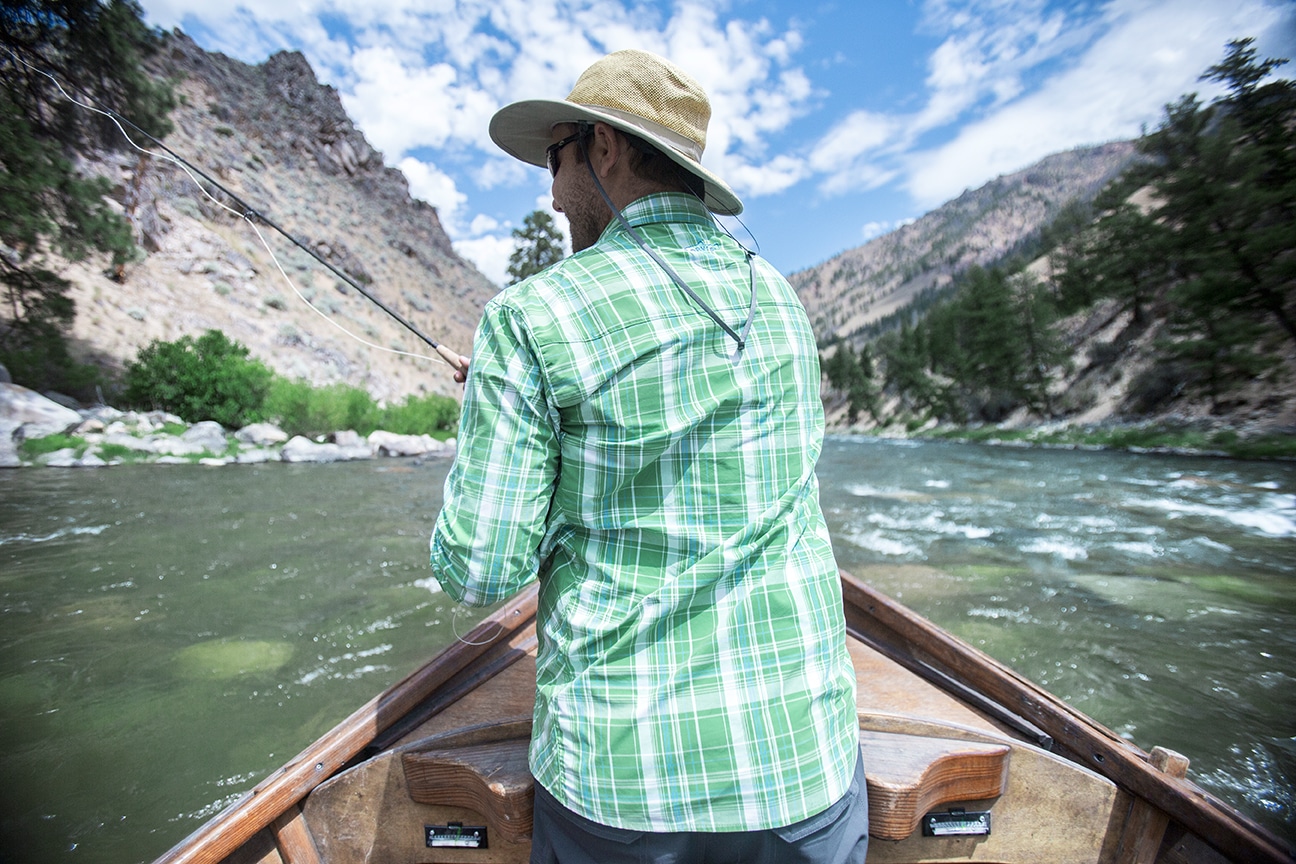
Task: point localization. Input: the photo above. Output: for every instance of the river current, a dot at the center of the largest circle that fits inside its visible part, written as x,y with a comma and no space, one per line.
170,634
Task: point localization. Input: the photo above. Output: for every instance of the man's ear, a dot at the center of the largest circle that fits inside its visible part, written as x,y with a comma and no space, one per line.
607,149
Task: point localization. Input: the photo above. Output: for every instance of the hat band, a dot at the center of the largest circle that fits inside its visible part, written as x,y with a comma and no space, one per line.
686,146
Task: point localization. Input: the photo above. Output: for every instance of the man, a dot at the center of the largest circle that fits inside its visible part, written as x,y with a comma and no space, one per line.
640,428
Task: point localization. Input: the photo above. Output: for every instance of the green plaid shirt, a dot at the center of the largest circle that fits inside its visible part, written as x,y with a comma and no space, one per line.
692,671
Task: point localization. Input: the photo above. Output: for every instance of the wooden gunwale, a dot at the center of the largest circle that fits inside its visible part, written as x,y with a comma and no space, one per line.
912,640
881,623
285,788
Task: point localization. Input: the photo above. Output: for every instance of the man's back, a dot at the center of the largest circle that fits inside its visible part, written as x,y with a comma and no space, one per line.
692,666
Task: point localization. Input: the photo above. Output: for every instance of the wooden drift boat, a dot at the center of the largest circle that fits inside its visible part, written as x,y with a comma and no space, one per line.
966,761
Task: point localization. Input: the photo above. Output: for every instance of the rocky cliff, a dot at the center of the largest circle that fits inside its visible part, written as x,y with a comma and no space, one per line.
981,226
283,144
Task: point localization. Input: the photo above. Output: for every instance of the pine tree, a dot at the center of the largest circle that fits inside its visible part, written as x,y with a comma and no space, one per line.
94,49
1226,191
539,244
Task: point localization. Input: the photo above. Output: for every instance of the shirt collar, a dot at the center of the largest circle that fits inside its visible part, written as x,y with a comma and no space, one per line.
661,207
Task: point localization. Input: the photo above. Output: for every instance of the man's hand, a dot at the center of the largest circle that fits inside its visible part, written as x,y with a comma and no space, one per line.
457,361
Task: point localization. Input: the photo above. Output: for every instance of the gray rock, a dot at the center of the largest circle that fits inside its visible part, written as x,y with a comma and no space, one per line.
256,456
261,434
352,444
160,418
62,399
33,414
391,444
89,426
65,458
131,442
104,413
92,460
8,451
209,435
299,449
172,445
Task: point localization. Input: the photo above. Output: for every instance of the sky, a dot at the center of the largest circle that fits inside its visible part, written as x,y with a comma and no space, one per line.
835,122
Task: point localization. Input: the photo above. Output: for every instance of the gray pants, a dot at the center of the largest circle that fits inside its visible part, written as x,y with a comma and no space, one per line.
838,835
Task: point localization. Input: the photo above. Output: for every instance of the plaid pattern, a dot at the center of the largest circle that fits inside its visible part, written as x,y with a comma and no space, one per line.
692,673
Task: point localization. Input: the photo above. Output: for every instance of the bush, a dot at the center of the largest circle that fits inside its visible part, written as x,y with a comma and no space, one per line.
422,414
301,409
208,378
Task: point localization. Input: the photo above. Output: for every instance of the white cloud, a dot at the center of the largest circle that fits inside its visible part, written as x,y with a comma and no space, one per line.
1149,54
489,254
861,133
436,188
877,229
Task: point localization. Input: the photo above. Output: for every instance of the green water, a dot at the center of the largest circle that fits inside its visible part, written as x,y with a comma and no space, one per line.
168,635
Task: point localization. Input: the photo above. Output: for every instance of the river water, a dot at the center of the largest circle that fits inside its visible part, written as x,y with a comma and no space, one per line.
168,635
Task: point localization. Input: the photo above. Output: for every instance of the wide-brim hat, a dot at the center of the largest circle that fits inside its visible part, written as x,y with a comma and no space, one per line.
634,91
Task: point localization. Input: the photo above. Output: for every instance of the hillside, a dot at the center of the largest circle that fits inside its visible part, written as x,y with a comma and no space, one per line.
283,143
981,226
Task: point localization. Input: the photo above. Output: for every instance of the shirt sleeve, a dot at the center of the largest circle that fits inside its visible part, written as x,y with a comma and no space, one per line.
486,542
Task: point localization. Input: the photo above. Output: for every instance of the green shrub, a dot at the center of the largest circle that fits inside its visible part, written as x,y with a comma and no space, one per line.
208,378
301,409
418,415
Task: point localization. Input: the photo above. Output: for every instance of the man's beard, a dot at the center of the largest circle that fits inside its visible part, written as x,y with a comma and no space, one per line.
587,215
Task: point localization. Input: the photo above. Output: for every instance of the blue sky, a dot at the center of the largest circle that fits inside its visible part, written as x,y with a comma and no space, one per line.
834,121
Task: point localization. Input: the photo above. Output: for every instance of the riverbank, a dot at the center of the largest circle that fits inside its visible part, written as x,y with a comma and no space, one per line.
36,431
1135,438
1173,436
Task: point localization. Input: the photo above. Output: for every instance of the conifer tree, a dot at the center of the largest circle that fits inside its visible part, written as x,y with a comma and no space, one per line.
94,50
1225,186
539,244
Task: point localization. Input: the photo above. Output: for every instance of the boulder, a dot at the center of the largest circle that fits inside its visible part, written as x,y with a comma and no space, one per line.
391,444
33,414
173,445
261,435
89,426
299,449
208,435
130,442
352,444
62,399
65,458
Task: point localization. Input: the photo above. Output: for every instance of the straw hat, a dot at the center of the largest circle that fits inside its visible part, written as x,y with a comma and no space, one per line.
636,92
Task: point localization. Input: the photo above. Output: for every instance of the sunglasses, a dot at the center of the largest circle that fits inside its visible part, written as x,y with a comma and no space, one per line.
552,151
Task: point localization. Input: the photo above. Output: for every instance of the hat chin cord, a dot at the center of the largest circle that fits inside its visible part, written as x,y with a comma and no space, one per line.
739,338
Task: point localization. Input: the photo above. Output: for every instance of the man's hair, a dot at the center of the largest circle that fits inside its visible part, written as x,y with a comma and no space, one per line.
650,164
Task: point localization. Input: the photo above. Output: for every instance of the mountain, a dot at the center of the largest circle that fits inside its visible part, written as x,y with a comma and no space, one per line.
856,288
283,143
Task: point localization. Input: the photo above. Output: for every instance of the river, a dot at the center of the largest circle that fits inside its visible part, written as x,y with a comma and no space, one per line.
170,634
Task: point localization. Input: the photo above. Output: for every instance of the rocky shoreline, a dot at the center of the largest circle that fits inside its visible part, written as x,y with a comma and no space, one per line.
102,436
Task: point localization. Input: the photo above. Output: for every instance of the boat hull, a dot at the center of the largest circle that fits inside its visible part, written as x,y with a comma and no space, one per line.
966,761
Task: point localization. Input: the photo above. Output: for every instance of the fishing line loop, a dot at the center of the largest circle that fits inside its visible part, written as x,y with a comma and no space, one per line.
454,615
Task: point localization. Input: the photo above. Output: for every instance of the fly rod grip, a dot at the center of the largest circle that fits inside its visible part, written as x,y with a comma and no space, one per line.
451,356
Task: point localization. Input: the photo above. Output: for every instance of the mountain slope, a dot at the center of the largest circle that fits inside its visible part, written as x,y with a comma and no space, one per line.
284,144
861,285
